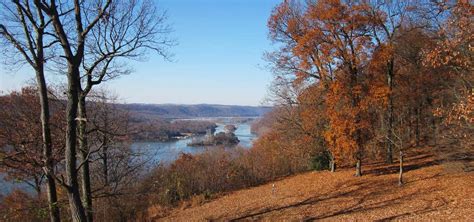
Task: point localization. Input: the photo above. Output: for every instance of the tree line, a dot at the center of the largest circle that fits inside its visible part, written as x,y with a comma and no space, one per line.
363,79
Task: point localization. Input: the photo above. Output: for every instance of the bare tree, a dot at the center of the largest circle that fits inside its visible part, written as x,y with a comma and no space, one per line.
128,31
401,136
93,38
115,166
26,30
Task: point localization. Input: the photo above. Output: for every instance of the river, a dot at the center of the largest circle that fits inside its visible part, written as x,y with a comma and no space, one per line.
163,152
167,152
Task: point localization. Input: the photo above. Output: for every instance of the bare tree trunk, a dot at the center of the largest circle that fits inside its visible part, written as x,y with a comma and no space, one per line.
47,148
75,204
410,124
73,86
357,134
358,167
389,158
435,132
417,126
105,146
32,50
332,164
105,160
84,158
400,177
37,187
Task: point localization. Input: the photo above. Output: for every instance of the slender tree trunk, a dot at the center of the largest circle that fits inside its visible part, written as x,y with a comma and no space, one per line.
83,153
47,144
37,188
435,132
332,164
400,177
75,204
357,134
409,117
417,126
46,130
105,147
105,160
389,158
358,167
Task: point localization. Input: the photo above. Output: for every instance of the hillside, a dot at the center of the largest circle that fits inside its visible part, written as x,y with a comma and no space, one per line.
195,111
432,191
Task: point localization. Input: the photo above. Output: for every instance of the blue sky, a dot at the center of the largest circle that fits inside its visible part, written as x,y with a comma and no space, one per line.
218,58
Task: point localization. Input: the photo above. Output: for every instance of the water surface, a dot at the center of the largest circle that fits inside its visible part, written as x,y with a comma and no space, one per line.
166,152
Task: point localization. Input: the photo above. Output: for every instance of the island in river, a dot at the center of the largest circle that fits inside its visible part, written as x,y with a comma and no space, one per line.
226,138
168,151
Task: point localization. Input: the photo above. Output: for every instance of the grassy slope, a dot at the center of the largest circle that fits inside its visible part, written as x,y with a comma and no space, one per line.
430,193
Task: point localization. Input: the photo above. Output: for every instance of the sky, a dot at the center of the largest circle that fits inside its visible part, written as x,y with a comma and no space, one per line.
218,58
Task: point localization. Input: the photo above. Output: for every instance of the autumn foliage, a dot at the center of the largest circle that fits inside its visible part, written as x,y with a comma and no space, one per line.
376,71
355,82
20,133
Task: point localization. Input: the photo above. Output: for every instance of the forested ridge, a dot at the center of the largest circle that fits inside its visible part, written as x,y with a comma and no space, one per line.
195,111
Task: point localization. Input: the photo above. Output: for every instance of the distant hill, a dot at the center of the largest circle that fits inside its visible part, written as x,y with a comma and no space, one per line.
195,111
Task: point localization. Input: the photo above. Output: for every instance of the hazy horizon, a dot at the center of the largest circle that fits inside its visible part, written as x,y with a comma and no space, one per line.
218,59
196,104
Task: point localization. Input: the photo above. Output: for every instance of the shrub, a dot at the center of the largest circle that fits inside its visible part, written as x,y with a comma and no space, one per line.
193,179
20,206
320,161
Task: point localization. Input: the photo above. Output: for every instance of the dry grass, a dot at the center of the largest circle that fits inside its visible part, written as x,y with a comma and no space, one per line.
430,193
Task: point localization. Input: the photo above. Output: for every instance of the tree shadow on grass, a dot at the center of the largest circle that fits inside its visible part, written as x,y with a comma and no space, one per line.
421,211
411,157
411,164
359,191
361,207
309,201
